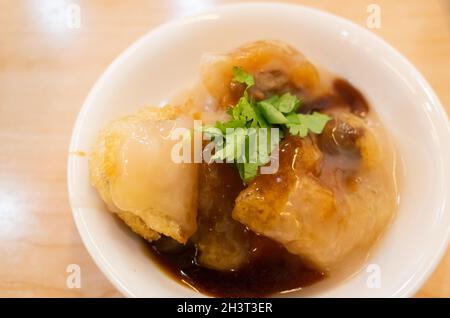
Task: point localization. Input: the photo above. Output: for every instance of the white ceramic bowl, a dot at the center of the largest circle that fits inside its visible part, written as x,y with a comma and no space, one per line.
167,60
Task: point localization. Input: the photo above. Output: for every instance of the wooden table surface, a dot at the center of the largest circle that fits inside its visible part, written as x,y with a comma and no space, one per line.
47,67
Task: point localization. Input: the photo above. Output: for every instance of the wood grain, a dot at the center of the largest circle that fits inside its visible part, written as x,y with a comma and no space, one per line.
47,69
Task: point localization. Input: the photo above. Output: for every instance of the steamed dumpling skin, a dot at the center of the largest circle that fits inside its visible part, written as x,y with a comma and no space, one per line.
318,211
257,58
132,169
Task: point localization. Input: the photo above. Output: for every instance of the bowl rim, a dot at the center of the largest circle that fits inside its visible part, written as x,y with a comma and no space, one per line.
407,290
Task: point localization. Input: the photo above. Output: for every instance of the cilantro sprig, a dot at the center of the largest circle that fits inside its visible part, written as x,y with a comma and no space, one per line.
248,116
241,76
301,124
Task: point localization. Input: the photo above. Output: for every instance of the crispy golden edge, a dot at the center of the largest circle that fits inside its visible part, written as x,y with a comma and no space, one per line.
138,226
105,169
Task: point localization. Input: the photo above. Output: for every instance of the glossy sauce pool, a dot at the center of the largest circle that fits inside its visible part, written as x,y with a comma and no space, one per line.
270,270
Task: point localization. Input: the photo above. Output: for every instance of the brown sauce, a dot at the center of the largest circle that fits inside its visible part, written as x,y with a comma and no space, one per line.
224,258
270,270
343,95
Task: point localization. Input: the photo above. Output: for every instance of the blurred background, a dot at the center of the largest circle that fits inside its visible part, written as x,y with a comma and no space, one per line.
52,52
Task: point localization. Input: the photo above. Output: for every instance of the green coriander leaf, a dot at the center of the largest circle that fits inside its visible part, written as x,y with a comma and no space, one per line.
271,114
234,147
292,119
287,103
239,75
264,146
274,100
300,124
236,111
241,169
259,118
247,171
212,131
315,122
243,109
234,123
219,154
296,127
250,171
247,111
252,145
233,137
298,130
239,137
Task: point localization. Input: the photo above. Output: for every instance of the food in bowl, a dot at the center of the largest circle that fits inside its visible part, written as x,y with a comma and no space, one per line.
292,175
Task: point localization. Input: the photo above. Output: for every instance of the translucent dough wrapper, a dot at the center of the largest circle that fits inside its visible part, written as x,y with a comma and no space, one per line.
132,169
322,206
